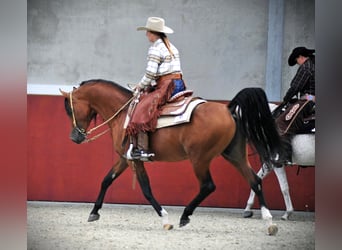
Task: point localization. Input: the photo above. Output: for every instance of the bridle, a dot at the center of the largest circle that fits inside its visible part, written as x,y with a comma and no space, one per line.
86,133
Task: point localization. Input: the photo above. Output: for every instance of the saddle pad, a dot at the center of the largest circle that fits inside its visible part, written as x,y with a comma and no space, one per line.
166,121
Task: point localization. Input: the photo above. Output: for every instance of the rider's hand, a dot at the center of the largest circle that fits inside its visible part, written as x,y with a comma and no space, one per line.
138,88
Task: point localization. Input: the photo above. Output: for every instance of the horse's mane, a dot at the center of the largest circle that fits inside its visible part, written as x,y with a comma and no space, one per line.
115,85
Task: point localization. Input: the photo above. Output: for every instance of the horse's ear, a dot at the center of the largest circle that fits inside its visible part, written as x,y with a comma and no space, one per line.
65,94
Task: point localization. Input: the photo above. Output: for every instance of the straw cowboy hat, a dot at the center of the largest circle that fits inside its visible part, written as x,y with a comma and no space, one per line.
156,24
299,51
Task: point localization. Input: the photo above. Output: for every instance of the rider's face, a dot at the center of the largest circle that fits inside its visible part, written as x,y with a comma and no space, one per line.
151,36
301,59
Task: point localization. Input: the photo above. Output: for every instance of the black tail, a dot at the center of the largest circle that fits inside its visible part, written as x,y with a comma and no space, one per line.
250,106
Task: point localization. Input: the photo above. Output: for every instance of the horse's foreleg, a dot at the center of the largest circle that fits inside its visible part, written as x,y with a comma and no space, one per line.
207,186
284,186
144,183
113,173
263,172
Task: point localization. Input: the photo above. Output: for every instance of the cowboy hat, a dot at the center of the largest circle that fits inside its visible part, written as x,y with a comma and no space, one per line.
156,24
299,51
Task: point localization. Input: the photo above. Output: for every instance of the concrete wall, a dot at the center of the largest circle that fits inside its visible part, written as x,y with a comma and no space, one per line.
299,30
223,43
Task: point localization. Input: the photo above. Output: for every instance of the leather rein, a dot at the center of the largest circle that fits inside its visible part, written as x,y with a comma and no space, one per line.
86,133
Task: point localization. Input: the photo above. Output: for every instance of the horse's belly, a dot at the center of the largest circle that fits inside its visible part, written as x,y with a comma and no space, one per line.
303,147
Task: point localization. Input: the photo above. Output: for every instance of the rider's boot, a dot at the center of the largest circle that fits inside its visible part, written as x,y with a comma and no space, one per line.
141,152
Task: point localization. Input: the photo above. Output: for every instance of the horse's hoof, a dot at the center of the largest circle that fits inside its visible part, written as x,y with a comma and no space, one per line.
286,216
272,229
183,222
93,217
247,214
167,226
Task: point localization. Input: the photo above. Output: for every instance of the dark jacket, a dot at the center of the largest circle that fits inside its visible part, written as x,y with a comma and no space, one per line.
304,80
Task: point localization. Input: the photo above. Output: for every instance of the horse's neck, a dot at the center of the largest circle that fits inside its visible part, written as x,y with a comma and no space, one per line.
107,105
113,109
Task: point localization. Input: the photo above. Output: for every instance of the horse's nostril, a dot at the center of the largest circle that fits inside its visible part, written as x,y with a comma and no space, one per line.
76,136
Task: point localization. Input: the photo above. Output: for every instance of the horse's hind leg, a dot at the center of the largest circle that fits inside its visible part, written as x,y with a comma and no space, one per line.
263,172
207,186
256,185
113,174
257,188
237,156
284,187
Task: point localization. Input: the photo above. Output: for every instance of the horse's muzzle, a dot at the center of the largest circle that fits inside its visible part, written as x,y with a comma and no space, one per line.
77,135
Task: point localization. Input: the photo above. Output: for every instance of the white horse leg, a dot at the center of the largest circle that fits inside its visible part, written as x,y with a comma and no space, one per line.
272,229
248,210
284,186
165,220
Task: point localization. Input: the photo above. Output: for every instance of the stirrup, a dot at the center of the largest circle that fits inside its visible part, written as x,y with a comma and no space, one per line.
136,154
277,162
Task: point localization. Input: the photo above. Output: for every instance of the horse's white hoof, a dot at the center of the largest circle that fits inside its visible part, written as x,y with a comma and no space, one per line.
272,229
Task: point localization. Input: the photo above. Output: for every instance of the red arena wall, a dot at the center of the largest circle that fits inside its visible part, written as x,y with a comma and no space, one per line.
60,170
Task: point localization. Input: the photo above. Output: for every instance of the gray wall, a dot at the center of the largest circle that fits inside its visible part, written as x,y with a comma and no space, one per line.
223,43
299,30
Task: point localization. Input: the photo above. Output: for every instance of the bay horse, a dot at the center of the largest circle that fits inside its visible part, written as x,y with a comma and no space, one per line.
303,155
215,129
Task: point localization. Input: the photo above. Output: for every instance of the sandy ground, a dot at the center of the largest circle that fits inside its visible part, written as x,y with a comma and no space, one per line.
64,226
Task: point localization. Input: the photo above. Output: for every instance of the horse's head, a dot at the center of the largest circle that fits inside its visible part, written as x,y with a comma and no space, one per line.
94,97
80,112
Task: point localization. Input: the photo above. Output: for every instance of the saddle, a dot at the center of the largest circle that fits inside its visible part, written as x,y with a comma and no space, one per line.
308,125
177,104
178,109
297,117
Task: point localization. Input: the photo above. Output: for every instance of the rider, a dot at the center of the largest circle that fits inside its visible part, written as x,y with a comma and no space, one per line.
162,79
299,100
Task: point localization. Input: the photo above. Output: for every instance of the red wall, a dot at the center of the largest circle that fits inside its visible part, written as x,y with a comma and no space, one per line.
60,170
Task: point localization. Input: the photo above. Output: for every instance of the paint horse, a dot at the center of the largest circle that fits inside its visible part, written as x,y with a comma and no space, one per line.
215,129
303,155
